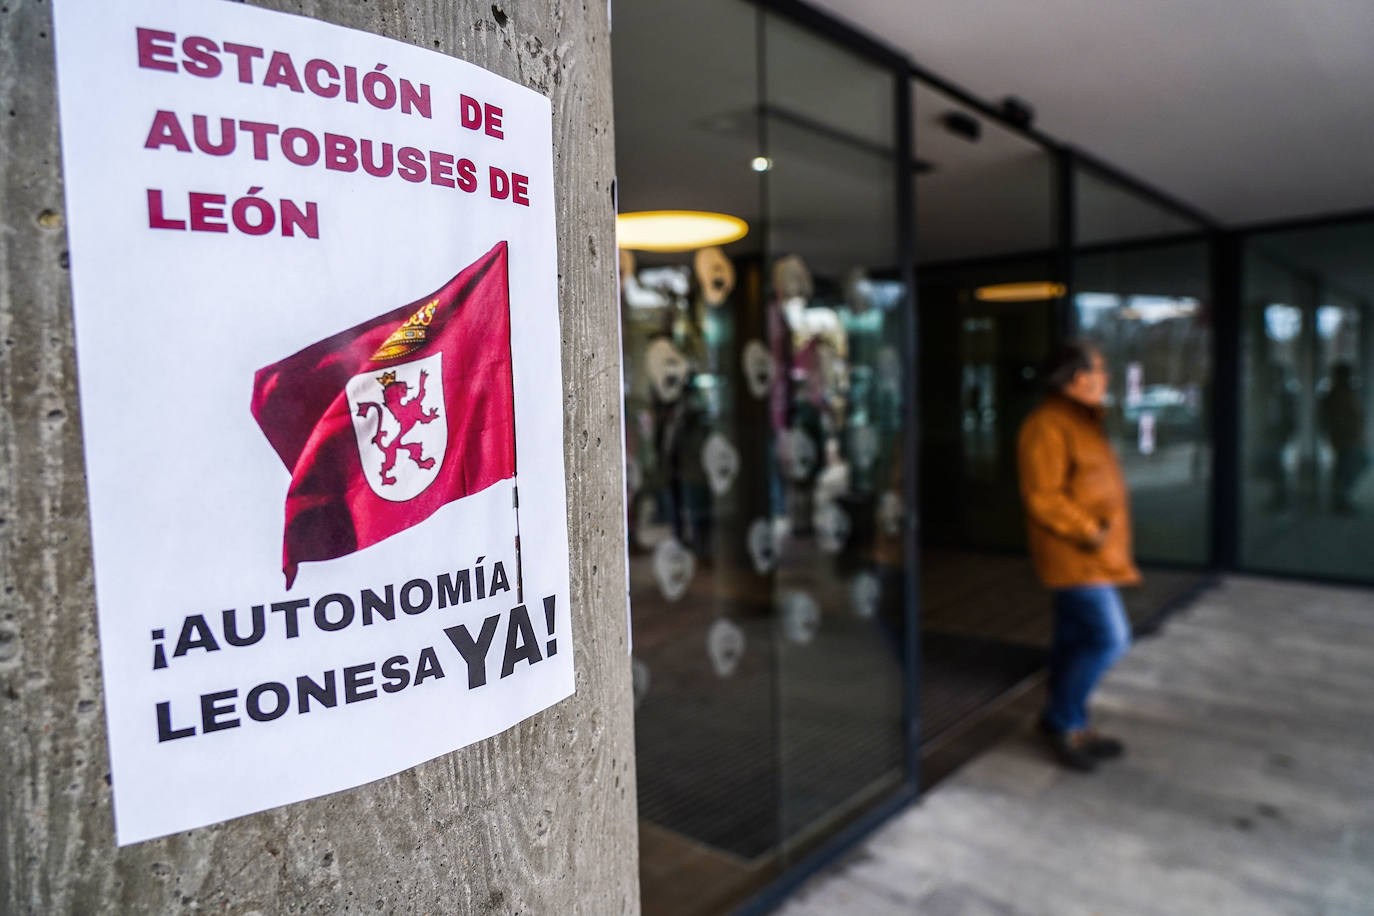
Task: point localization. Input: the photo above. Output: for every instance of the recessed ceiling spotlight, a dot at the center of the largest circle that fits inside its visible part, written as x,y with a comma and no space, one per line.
761,164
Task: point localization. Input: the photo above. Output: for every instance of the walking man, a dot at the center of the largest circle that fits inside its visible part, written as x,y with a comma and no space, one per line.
1078,516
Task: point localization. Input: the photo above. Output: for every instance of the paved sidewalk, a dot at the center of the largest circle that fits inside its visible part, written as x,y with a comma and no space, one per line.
1248,787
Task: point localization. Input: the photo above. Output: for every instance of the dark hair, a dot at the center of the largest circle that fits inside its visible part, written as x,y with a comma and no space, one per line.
1067,360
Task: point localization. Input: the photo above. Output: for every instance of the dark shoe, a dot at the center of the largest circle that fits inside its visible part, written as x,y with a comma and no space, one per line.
1069,751
1100,746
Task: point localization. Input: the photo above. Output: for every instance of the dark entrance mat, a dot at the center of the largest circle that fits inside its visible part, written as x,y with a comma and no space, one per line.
962,674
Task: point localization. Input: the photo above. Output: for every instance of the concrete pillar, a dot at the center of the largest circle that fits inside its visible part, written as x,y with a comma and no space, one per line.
540,819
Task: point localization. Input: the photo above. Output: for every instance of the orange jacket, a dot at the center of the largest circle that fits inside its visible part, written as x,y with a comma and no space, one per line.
1077,510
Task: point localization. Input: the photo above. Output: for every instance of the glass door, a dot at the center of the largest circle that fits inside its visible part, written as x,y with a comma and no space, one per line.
989,300
835,313
764,389
698,379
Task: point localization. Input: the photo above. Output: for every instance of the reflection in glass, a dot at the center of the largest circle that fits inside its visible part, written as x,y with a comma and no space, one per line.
706,753
763,399
834,330
1307,495
988,303
979,378
1147,308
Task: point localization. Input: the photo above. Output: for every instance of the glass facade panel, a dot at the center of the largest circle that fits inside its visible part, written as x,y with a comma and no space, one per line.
1142,292
763,400
1105,211
1307,497
836,496
979,379
1148,309
977,199
985,215
813,82
705,723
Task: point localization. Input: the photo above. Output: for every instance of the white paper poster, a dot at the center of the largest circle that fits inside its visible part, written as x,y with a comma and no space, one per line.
315,284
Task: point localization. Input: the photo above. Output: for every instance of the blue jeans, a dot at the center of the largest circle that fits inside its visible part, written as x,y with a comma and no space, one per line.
1090,633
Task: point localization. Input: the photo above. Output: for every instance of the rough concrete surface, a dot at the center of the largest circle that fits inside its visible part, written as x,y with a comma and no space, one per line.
540,819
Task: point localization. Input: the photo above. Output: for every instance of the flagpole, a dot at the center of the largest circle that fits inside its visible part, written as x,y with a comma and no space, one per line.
519,571
515,451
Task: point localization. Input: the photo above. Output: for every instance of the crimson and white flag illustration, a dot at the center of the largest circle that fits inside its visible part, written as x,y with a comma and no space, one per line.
383,424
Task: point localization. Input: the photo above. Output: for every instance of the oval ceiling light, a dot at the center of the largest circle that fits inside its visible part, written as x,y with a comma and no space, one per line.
1033,291
676,230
